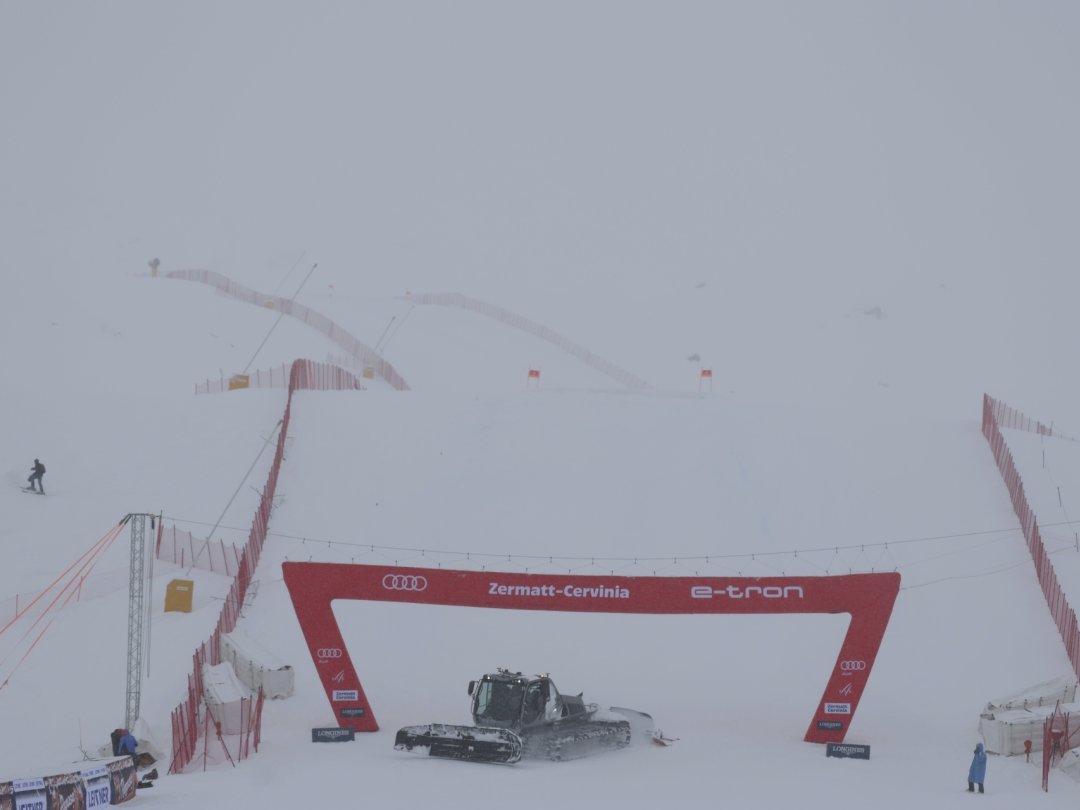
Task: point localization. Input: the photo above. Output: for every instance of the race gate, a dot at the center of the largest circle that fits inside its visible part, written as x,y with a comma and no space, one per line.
869,598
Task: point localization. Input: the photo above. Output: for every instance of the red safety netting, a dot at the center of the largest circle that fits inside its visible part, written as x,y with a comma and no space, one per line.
355,347
190,718
1056,735
331,378
1063,614
1059,735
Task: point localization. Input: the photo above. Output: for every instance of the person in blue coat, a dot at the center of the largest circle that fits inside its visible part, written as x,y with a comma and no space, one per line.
128,744
977,771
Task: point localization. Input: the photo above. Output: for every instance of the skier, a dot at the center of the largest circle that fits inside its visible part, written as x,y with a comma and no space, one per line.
977,771
37,471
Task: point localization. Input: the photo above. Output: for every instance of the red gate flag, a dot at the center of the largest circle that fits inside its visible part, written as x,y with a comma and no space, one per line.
869,598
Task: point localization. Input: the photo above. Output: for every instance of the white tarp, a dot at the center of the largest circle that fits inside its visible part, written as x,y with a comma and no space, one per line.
1004,732
256,666
226,698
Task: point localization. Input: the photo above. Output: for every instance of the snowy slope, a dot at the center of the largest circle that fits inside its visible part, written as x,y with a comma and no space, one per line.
616,475
860,219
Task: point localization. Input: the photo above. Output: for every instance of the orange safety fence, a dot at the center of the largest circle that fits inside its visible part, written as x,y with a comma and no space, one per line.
190,716
184,549
1063,614
332,377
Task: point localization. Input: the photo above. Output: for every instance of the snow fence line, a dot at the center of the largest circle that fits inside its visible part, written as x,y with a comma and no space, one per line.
372,359
332,377
192,717
509,318
187,551
354,346
994,414
1008,729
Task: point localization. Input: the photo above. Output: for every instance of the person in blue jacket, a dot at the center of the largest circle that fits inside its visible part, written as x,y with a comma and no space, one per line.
128,744
977,771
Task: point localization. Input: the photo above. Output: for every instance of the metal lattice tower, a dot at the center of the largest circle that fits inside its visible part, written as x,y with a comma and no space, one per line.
138,620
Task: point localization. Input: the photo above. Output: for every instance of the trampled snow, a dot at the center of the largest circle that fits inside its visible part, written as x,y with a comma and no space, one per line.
857,251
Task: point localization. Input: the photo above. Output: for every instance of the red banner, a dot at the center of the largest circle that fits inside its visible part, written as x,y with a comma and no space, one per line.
869,598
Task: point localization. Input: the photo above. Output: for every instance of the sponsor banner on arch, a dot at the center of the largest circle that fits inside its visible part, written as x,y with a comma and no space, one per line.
868,598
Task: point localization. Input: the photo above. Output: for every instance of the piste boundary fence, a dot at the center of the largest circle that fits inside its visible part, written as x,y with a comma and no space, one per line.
533,328
190,716
332,377
354,346
995,416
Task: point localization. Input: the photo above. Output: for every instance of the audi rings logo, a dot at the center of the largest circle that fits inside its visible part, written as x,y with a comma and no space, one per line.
404,582
852,666
328,652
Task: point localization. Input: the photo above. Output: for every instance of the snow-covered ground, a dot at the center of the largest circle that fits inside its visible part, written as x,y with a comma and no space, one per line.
859,218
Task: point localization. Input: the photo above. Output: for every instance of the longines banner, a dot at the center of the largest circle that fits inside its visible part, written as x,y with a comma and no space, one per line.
869,598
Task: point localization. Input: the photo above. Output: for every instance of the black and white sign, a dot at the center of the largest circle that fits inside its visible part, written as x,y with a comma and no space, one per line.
847,751
333,735
98,788
29,794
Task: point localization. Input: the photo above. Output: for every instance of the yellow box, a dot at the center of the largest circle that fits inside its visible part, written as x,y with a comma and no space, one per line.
239,381
178,594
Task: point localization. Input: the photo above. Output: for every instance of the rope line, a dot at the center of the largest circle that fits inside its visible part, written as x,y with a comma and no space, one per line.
372,547
95,549
71,588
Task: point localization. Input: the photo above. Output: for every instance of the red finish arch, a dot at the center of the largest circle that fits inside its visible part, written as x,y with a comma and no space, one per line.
869,598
